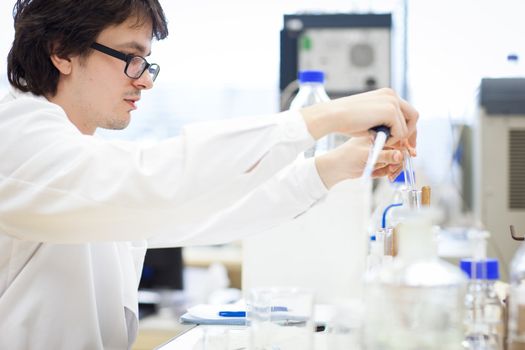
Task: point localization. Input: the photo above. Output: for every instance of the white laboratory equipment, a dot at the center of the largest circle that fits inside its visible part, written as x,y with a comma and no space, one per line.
417,302
311,91
484,321
499,149
324,249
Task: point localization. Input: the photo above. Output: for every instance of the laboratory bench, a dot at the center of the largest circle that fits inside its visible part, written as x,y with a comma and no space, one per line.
157,329
237,338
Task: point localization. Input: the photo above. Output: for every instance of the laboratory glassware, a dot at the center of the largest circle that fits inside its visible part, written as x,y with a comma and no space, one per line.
405,201
417,301
483,308
280,318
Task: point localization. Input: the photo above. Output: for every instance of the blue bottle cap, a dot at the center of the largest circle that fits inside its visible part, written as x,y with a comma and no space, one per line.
400,178
311,76
487,269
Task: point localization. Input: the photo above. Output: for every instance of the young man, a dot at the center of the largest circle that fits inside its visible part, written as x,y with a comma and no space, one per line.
77,212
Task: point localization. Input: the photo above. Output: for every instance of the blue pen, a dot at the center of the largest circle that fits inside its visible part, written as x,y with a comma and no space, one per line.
232,313
243,313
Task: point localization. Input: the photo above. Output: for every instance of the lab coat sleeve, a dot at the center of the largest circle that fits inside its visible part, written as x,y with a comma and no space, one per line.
283,197
59,186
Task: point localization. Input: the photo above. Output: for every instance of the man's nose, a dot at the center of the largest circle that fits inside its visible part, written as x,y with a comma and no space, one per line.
144,82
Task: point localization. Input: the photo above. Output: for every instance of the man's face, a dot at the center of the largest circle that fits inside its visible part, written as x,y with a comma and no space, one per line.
97,92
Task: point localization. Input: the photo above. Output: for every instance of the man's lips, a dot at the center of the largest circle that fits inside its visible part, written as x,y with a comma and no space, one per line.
132,102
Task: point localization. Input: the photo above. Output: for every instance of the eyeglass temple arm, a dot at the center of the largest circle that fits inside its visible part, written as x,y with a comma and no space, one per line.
514,236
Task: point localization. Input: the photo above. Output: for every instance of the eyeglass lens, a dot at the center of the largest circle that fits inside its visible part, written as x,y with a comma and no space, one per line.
137,65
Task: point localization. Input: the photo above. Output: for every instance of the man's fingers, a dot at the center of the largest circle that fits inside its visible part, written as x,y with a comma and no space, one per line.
388,169
404,127
380,172
410,114
393,173
398,126
411,118
412,140
380,165
390,157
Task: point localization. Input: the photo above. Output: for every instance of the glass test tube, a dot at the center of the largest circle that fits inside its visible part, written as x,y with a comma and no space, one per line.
414,199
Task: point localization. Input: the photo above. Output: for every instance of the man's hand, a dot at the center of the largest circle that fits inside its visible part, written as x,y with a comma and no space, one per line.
355,115
349,160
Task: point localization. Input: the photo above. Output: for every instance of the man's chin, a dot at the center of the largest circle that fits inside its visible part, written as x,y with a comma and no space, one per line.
117,124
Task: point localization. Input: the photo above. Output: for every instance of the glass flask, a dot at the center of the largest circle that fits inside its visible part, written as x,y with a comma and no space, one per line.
417,302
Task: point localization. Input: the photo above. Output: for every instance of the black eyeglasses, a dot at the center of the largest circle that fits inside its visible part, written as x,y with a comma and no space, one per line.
135,65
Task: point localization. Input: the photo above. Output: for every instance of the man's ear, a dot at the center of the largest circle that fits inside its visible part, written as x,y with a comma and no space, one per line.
62,64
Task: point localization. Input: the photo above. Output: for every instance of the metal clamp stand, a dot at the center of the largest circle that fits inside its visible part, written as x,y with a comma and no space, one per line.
513,234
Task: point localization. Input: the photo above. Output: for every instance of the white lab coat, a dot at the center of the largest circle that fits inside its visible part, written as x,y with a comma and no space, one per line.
77,213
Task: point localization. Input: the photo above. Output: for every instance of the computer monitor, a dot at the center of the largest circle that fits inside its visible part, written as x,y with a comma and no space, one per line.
163,269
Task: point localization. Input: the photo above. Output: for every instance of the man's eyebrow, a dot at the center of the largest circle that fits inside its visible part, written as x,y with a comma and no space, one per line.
133,45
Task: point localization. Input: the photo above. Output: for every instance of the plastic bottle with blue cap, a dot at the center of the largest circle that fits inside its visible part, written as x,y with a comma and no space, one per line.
484,309
376,253
312,91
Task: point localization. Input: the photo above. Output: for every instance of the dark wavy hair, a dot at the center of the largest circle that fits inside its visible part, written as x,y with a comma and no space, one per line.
65,28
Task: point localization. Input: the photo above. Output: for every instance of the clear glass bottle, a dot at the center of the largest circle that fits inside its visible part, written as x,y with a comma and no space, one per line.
417,302
516,301
483,308
398,204
312,91
403,201
386,194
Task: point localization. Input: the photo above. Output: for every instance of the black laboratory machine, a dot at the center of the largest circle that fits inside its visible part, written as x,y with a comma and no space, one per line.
357,52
